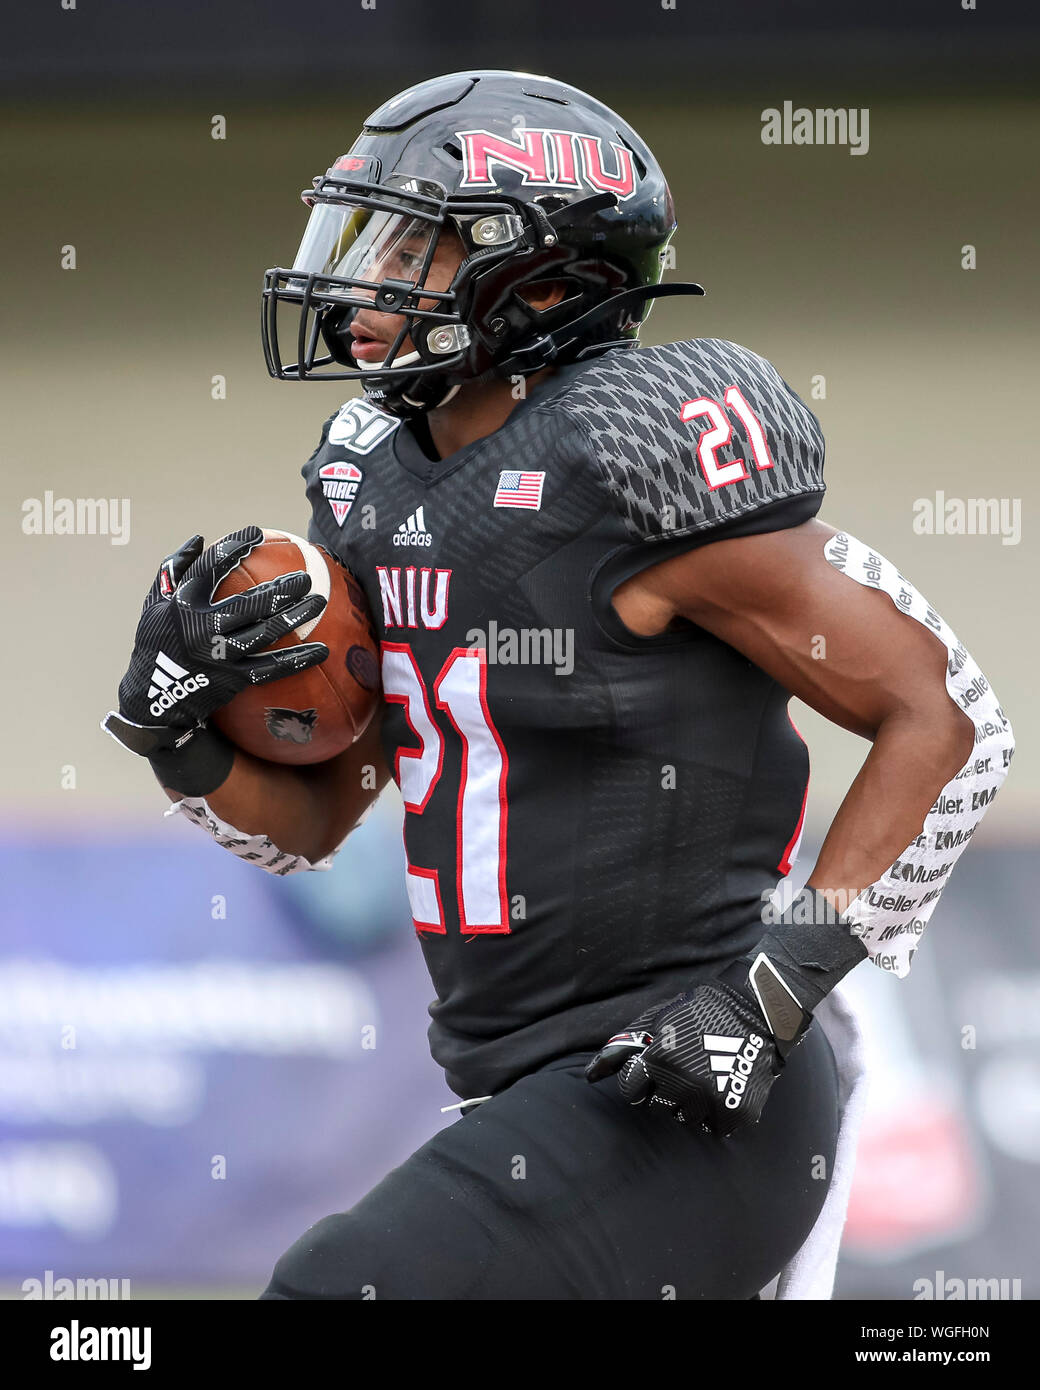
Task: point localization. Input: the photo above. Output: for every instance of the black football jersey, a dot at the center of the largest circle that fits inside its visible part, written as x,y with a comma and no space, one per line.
592,817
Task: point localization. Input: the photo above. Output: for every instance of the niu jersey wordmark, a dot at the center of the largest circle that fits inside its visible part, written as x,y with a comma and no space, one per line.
410,603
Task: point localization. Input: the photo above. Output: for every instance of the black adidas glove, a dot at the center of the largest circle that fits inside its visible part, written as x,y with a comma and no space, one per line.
710,1056
192,656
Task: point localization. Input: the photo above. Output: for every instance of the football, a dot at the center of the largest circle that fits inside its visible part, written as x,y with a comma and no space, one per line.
313,716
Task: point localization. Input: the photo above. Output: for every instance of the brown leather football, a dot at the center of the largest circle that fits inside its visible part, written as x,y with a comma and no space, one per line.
313,716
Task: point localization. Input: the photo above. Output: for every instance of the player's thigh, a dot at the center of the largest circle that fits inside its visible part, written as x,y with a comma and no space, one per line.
468,1215
556,1189
625,1202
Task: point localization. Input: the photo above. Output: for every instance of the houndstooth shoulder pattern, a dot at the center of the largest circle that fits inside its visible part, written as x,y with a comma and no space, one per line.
628,405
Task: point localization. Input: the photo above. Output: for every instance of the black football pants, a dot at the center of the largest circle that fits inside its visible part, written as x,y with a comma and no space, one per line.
556,1189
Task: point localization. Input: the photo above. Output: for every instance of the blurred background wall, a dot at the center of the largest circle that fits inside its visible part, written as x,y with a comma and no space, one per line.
134,245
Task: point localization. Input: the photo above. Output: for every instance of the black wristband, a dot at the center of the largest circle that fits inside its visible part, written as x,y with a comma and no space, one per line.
812,947
199,766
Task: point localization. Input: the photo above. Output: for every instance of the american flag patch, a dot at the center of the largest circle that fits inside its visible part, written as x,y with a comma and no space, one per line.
519,490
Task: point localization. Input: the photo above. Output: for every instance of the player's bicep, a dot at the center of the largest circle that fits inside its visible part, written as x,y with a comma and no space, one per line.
844,649
838,624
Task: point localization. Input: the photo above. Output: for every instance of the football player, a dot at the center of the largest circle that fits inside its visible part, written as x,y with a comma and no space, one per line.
598,577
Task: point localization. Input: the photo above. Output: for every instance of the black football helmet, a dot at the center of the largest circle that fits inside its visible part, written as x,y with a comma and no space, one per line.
532,181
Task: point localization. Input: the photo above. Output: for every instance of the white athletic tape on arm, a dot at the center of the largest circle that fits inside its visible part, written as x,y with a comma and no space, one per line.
891,914
256,849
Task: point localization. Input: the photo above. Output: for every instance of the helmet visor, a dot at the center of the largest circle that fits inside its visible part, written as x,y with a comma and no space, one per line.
344,242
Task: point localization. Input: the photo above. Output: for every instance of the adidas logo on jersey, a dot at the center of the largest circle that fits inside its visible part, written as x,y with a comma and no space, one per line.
731,1063
413,531
171,683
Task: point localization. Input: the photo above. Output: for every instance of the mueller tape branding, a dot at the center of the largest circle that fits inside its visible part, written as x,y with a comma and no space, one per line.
891,914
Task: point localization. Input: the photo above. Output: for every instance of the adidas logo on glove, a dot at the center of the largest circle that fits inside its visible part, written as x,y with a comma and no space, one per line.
171,683
731,1061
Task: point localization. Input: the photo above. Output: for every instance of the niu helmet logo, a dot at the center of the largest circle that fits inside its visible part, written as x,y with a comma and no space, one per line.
556,158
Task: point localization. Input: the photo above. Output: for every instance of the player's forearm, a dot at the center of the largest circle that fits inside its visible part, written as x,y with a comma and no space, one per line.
298,812
914,755
918,750
290,805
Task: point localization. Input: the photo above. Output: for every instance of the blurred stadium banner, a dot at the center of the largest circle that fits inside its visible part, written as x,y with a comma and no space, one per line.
199,1060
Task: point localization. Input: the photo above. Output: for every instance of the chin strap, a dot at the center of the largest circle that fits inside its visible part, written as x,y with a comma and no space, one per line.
546,349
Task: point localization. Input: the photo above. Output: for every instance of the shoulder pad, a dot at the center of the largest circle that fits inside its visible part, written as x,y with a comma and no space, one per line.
692,436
